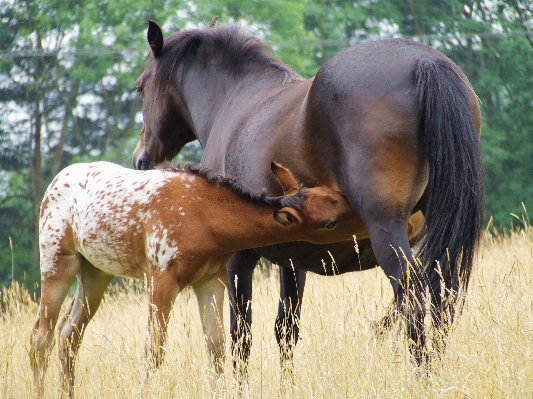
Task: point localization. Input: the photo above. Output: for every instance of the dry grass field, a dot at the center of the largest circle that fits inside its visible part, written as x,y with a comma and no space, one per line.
490,353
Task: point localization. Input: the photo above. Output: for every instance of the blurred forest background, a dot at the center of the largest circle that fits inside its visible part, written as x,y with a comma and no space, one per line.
68,70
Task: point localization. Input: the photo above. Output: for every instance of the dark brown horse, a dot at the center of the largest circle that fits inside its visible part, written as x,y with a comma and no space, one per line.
393,124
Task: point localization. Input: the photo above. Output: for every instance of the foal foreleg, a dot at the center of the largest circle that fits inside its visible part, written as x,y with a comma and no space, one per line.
163,291
210,297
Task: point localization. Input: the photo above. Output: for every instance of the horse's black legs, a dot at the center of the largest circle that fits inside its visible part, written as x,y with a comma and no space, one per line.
239,283
292,284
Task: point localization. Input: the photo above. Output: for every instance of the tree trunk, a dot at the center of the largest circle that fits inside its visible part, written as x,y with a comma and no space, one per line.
58,154
37,173
37,177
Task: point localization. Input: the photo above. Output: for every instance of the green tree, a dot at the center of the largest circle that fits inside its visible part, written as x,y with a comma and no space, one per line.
68,73
505,76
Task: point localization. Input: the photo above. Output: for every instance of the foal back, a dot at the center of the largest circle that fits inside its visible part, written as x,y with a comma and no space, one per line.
101,211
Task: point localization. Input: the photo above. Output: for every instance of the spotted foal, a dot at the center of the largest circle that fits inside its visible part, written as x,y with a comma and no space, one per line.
176,228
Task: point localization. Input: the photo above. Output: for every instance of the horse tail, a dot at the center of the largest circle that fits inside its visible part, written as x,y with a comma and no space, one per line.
454,200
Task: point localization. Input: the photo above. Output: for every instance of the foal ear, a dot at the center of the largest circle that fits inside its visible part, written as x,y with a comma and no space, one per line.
286,216
285,178
155,37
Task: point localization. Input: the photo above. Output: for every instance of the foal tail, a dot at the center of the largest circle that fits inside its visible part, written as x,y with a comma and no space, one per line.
454,194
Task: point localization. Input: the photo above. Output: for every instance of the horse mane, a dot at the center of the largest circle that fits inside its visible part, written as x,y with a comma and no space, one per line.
238,52
231,184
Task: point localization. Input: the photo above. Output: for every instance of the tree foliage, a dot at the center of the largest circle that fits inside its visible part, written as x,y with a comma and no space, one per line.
68,71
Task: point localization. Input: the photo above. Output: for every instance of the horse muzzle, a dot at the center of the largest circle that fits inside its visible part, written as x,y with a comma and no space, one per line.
143,162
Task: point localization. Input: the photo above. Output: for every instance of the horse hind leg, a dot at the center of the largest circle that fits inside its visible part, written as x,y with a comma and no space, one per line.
92,284
415,230
392,250
386,206
55,285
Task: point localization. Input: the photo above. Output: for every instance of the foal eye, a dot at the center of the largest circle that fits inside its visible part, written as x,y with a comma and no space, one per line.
331,224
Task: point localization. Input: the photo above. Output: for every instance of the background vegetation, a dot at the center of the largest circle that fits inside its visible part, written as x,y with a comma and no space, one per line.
68,71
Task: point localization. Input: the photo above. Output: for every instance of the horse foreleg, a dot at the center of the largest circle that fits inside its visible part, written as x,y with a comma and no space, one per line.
287,327
54,289
163,291
239,283
92,283
210,296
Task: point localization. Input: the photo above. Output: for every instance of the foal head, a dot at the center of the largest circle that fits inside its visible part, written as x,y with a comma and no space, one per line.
323,215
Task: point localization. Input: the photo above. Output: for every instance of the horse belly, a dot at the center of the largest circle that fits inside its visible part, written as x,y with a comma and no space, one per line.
327,260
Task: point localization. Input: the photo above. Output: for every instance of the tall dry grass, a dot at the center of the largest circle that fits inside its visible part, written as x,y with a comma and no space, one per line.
490,351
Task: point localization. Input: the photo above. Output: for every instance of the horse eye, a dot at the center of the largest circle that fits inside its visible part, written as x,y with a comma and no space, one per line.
139,90
331,224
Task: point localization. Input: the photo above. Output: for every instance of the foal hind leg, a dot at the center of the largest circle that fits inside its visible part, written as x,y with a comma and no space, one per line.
54,288
92,283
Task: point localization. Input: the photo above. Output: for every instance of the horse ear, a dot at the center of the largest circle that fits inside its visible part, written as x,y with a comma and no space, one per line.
286,216
214,22
285,178
155,37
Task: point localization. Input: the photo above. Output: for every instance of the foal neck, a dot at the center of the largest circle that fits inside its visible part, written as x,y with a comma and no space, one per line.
224,219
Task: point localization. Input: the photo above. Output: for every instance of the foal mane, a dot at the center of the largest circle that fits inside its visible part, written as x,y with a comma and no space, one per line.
231,184
239,52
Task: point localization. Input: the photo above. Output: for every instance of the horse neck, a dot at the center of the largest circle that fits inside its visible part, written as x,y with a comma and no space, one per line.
259,104
208,94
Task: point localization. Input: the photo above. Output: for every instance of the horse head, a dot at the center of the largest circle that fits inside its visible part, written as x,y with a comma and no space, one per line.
165,120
